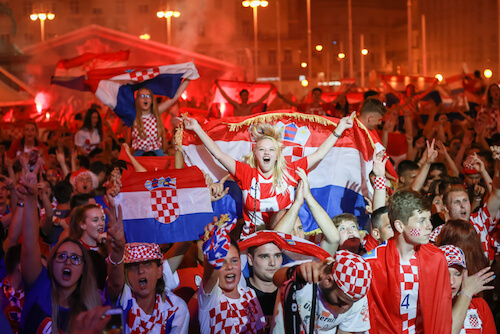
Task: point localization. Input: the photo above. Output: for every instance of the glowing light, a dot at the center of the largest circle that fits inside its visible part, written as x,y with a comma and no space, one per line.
47,115
341,55
51,16
264,3
303,64
42,16
304,83
439,77
177,14
246,3
364,52
33,17
319,47
488,73
145,36
42,101
184,95
254,3
160,14
222,109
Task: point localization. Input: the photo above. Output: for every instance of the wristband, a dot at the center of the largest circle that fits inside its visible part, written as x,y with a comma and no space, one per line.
336,135
119,262
21,205
465,294
379,183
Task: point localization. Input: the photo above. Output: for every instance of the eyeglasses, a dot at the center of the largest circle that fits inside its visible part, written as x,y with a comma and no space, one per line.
74,258
85,179
145,95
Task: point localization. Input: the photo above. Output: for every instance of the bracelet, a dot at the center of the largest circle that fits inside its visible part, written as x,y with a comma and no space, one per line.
465,294
21,205
119,262
336,135
379,183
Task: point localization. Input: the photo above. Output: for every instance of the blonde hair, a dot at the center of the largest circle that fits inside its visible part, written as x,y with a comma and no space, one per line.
154,110
267,131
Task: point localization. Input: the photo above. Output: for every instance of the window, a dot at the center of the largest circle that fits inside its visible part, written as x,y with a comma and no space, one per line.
120,6
287,57
97,11
28,7
28,38
5,38
271,57
201,29
181,26
143,9
240,57
74,6
246,31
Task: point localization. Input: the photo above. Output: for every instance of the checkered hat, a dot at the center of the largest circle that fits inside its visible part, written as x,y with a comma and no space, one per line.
352,274
454,255
141,251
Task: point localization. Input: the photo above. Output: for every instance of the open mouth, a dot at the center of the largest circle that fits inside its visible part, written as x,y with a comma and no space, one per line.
143,282
230,278
266,159
66,274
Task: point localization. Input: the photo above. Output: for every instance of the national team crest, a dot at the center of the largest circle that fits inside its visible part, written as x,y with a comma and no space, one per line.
164,202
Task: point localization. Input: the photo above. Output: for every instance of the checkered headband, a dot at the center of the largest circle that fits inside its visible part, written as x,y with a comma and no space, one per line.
352,274
454,255
141,252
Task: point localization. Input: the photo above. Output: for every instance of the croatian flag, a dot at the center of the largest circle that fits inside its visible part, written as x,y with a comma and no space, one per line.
164,206
115,87
338,183
233,89
71,73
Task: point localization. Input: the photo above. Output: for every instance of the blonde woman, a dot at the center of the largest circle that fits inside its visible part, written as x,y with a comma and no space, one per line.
266,179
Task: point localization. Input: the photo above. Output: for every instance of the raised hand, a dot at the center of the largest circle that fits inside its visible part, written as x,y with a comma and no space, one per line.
379,161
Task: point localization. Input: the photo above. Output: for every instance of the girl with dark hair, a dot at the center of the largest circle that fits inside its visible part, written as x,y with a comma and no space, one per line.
90,136
87,225
28,144
57,294
136,284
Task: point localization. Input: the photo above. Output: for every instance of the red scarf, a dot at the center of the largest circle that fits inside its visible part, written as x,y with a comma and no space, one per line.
434,294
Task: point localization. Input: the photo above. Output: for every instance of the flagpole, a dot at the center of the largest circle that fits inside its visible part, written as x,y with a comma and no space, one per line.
410,60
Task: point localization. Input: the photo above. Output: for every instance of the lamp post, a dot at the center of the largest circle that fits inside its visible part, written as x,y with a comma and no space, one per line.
254,4
364,52
168,15
340,57
42,17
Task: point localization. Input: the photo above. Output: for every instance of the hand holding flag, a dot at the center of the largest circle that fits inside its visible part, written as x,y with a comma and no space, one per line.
216,241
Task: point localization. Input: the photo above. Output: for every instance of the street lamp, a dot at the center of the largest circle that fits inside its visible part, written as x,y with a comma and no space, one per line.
42,17
254,4
168,15
364,52
319,47
439,77
488,73
303,64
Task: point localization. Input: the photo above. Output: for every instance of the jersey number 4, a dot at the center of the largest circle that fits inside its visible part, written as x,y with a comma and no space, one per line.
406,302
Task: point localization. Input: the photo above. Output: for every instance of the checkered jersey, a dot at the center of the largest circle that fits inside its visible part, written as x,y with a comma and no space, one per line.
484,224
220,314
260,199
151,142
408,278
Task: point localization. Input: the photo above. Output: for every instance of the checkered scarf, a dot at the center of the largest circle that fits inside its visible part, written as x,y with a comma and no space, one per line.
217,242
145,326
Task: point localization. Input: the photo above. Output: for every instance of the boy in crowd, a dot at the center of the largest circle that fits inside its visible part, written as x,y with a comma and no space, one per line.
341,303
410,288
381,229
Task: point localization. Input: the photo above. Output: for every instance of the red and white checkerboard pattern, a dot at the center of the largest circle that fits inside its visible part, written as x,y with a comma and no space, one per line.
141,252
151,142
408,277
297,152
352,274
454,255
144,75
235,316
379,183
484,224
164,205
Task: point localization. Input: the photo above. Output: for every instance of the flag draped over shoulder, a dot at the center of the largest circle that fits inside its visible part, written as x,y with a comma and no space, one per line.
115,87
338,182
233,89
164,206
71,73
